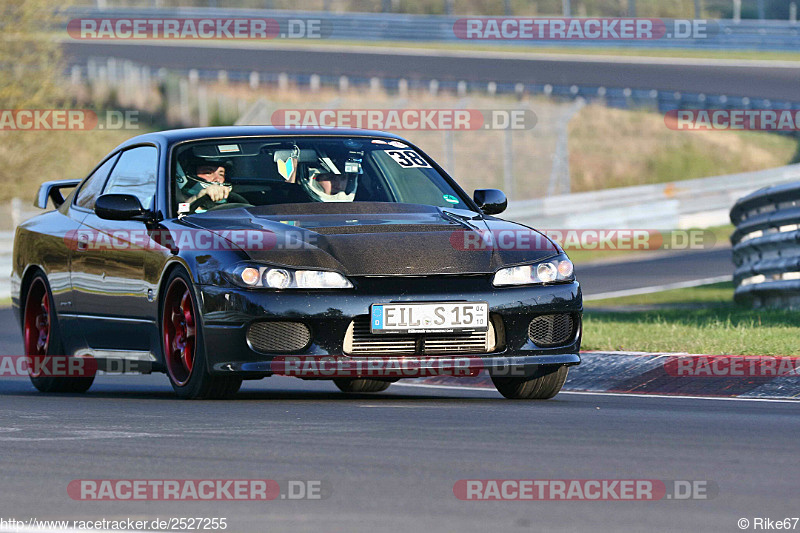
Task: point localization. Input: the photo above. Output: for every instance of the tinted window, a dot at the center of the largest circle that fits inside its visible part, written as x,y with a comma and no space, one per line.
278,170
135,174
94,184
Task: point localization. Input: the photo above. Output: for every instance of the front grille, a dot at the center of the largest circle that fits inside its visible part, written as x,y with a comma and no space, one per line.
278,337
360,341
552,330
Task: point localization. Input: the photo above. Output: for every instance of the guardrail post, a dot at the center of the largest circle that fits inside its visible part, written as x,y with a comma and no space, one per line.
631,8
402,88
508,164
566,7
75,75
737,11
16,211
202,106
375,85
793,12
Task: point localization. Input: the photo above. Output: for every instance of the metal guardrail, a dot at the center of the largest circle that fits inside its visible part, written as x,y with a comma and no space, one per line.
723,34
766,246
696,203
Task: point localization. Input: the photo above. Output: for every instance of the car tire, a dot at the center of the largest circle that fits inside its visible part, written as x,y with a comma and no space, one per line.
543,385
42,338
361,385
183,346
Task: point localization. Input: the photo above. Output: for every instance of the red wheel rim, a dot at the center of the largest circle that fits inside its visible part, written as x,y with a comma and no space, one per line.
180,330
37,322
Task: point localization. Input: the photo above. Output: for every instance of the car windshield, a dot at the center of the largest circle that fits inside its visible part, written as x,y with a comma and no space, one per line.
214,174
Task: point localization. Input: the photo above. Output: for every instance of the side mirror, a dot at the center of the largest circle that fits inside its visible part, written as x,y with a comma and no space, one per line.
119,207
491,201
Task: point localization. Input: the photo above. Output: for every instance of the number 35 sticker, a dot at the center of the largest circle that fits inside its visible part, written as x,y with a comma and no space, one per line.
408,158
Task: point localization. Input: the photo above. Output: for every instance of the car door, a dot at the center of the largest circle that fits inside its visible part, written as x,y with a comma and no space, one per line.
67,229
112,299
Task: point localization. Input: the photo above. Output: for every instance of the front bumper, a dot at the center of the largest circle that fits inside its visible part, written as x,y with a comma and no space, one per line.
227,313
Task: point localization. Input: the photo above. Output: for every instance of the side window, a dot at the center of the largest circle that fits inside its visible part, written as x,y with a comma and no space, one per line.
135,174
91,188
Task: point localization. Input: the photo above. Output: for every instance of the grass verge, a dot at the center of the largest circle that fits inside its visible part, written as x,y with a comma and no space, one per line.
622,148
701,320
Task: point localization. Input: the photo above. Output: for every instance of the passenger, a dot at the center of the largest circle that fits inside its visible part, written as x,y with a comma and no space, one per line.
330,187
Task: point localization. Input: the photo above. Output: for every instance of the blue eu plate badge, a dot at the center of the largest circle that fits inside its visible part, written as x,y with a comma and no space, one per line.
377,317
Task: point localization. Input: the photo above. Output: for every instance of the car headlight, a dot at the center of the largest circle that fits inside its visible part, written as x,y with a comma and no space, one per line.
553,270
257,276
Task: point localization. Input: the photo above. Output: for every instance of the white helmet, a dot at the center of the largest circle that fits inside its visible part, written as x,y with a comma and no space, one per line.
315,190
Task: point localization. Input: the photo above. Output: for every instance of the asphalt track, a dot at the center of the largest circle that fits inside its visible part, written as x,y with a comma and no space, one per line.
391,460
752,79
662,269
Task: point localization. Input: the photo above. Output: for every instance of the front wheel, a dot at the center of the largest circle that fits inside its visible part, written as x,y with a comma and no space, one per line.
544,384
184,350
361,385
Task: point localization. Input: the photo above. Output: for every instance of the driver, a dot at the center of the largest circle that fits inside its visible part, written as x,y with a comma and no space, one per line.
208,180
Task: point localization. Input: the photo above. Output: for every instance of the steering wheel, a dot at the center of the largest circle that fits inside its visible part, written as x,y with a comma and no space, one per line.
233,199
231,205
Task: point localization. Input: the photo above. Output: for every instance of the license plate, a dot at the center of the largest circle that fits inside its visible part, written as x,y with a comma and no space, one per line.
443,317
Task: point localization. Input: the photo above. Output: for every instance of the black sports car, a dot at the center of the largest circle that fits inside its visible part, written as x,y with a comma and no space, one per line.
222,254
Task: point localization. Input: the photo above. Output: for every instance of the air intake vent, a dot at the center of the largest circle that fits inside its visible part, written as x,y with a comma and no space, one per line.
360,341
278,337
552,330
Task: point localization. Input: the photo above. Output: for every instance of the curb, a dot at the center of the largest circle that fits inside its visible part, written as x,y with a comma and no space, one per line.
645,373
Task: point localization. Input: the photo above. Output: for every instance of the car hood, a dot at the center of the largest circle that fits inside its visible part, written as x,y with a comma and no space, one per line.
379,239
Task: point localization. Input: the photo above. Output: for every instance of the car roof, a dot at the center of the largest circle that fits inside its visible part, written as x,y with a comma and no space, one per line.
170,137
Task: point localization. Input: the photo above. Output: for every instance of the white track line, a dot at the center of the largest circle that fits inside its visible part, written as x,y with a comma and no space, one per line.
657,288
623,394
479,54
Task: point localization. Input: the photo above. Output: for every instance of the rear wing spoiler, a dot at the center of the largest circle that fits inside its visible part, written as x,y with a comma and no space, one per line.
52,190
